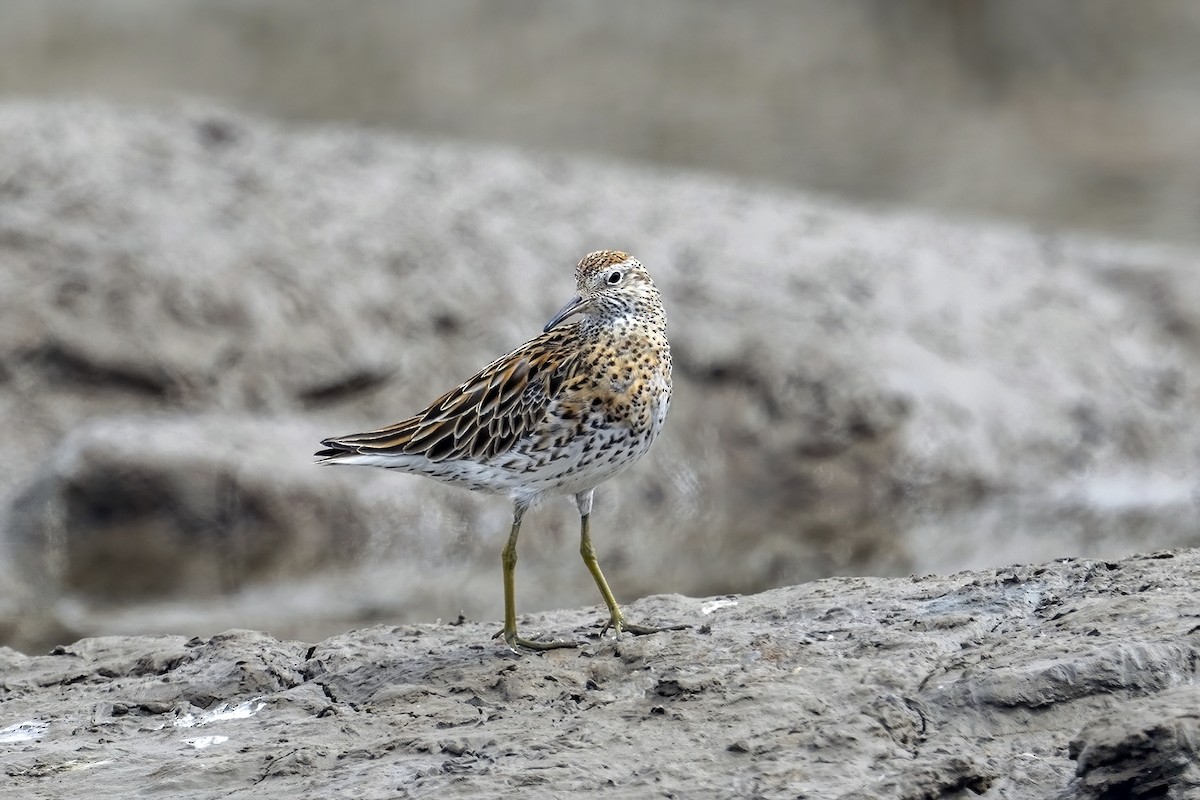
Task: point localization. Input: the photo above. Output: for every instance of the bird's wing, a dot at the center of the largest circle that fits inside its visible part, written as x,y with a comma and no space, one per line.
484,416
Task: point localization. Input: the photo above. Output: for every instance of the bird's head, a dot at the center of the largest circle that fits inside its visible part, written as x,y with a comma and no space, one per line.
610,284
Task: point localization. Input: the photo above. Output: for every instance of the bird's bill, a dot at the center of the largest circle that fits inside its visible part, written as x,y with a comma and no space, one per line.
573,306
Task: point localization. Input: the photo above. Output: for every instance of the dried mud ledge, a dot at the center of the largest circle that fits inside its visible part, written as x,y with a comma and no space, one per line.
1075,679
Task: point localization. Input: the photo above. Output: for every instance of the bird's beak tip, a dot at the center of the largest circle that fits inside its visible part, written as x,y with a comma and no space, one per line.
573,306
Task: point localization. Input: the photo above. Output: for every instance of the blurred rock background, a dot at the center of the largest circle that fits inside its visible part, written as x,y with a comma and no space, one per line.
1071,114
192,295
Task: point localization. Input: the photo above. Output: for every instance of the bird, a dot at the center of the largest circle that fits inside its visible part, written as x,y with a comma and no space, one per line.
561,414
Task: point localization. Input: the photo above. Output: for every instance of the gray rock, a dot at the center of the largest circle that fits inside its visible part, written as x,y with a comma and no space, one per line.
1145,748
183,506
1074,679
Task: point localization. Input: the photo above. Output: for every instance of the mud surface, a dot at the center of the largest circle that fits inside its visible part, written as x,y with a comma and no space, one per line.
1074,679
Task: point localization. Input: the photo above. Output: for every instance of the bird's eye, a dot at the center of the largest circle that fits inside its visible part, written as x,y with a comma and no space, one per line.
613,278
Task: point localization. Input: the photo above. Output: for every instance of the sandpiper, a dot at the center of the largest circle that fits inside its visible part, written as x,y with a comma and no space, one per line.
561,414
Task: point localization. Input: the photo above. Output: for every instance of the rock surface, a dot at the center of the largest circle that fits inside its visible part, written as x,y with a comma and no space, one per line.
200,296
1072,680
184,507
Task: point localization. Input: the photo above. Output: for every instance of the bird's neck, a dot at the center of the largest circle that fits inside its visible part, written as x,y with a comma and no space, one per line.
642,312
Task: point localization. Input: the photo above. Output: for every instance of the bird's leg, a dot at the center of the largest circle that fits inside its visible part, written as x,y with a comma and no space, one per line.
616,620
509,559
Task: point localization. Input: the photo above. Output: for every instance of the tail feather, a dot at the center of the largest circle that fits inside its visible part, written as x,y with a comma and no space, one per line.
330,452
384,440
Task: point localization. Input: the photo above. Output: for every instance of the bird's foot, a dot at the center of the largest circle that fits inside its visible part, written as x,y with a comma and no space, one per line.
517,644
618,624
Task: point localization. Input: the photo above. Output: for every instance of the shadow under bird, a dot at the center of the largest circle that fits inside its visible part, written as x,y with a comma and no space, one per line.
561,414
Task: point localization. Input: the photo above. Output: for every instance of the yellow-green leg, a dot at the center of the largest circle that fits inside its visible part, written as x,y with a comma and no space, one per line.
616,620
509,559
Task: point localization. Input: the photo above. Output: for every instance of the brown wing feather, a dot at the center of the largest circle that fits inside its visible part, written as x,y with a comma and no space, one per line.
483,417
